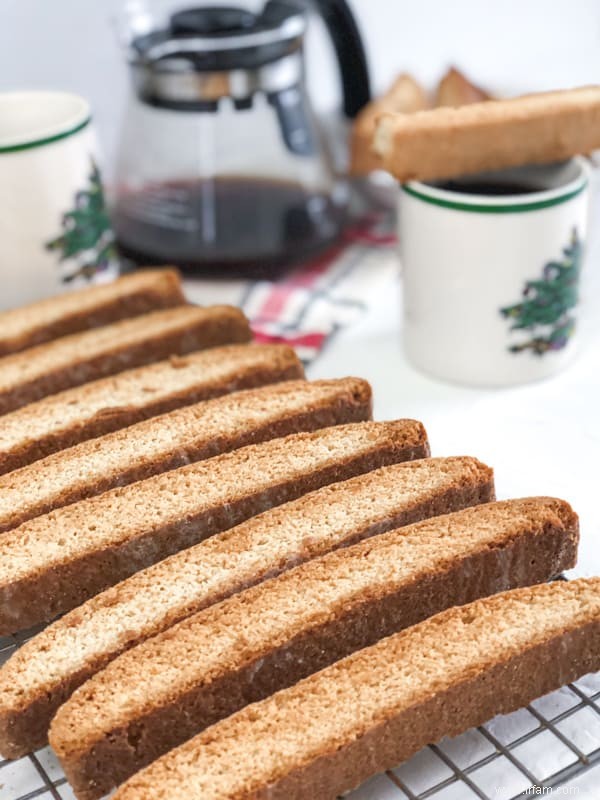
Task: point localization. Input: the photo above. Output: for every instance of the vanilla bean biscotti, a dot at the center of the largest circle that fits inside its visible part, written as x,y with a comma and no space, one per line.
95,409
54,562
379,706
404,95
92,307
205,668
72,360
47,669
178,438
491,135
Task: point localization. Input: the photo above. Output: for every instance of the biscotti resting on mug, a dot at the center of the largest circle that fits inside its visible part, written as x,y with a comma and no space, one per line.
103,406
405,95
492,135
170,688
455,89
54,562
46,670
178,438
72,360
379,706
92,307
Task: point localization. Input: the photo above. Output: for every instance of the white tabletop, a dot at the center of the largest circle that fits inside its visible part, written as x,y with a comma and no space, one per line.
541,439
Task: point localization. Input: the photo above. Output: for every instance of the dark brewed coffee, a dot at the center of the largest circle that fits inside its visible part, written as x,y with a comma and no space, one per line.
488,189
230,227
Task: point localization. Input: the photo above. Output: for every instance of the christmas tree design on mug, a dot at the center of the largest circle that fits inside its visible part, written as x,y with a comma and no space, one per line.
545,311
87,236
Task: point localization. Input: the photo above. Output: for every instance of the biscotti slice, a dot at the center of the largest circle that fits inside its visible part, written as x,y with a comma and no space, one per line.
53,563
45,671
129,296
381,705
455,89
81,357
178,438
404,95
171,687
490,135
95,409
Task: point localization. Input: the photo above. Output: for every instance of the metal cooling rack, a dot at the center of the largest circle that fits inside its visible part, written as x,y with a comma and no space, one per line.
547,744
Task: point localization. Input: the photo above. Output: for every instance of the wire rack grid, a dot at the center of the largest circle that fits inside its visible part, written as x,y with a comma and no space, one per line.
546,745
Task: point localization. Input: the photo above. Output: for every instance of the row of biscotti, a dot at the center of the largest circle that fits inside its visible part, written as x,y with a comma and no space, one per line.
82,365
48,476
350,599
82,357
499,541
36,708
195,578
42,576
264,639
108,404
45,671
92,307
38,566
540,531
66,341
56,561
186,435
377,707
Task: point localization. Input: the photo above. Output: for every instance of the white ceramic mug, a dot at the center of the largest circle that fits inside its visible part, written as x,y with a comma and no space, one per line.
54,230
490,281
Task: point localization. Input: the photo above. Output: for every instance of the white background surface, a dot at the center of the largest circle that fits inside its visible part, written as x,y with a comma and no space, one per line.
541,439
513,46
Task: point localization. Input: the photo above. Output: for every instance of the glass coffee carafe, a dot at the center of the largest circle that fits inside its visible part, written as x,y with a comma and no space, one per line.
222,169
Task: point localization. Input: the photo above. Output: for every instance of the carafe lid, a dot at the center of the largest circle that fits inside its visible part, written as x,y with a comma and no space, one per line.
210,52
215,38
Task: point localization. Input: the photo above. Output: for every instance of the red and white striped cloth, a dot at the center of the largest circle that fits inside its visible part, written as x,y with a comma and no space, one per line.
306,307
312,302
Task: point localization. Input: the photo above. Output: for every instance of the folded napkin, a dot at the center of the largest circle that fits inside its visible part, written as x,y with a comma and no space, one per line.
308,305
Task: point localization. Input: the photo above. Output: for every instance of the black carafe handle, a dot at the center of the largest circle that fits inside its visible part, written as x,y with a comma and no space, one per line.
349,48
350,51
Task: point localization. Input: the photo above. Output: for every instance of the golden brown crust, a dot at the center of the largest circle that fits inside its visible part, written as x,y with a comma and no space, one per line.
404,95
448,142
72,360
92,307
173,440
53,563
379,706
455,89
48,668
95,409
207,667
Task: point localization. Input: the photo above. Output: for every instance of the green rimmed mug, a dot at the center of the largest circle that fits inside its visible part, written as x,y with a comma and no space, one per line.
54,226
491,266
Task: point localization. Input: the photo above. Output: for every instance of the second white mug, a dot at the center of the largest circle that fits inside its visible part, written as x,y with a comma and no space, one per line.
491,269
